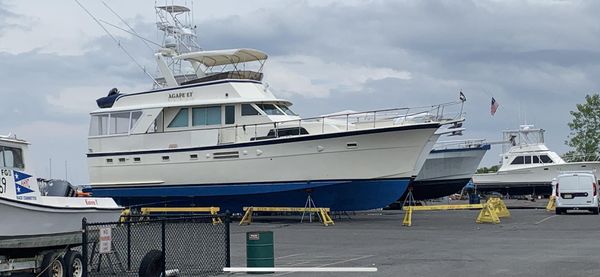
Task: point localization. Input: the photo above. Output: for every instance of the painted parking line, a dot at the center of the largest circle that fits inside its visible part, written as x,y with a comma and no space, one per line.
545,219
288,256
330,264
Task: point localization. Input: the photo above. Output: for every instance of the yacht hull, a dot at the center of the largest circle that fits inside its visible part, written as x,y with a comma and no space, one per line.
446,172
353,170
339,195
534,180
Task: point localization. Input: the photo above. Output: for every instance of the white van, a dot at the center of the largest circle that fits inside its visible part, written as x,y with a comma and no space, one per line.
576,191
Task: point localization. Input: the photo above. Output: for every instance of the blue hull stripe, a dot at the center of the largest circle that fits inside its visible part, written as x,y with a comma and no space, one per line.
273,141
348,195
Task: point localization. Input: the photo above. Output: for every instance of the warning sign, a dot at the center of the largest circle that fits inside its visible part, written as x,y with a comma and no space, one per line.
105,240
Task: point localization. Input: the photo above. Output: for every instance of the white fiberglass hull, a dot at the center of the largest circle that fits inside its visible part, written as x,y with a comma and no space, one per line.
446,171
263,168
22,218
388,154
536,180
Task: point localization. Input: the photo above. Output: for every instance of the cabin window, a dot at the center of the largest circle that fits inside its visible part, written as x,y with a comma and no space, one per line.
135,116
113,123
229,114
545,159
518,160
536,159
206,116
180,120
99,125
270,109
286,110
119,123
11,157
527,159
247,109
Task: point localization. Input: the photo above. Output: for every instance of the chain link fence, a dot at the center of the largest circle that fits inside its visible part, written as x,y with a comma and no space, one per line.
165,246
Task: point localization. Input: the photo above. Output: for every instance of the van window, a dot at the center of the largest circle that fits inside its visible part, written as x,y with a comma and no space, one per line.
180,120
573,183
518,160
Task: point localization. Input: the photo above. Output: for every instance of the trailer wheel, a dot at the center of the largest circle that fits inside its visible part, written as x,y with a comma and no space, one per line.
74,264
52,265
151,265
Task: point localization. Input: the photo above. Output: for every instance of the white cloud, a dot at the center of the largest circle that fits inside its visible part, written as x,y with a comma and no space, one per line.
310,76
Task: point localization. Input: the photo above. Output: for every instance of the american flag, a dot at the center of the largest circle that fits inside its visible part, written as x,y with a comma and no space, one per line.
494,106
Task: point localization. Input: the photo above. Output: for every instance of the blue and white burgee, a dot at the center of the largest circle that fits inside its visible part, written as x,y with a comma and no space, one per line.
20,176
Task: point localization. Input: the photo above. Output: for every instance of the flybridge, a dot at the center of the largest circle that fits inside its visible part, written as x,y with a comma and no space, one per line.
211,65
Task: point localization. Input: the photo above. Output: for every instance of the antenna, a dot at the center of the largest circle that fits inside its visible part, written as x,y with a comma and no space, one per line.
118,43
133,32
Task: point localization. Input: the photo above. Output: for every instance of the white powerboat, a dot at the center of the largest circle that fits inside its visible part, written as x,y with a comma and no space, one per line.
26,212
527,165
220,137
448,168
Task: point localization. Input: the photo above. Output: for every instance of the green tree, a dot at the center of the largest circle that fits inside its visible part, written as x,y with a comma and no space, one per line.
585,127
490,169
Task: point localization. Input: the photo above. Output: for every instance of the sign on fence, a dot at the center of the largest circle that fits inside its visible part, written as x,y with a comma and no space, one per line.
105,240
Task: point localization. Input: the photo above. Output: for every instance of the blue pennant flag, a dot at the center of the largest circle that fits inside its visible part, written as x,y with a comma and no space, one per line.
19,176
22,189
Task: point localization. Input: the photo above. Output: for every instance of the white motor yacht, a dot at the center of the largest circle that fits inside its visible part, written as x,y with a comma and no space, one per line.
448,168
218,136
527,165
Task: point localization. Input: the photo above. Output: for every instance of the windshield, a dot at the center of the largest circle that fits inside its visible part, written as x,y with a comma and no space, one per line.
286,110
270,109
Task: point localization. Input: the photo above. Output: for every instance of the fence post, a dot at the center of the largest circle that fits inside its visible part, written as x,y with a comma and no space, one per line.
164,256
128,242
84,247
228,238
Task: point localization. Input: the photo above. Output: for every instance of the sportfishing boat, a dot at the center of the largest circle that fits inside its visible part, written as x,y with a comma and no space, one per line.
448,168
28,211
527,165
218,136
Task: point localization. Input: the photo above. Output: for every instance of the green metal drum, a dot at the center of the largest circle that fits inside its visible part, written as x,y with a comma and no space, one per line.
259,249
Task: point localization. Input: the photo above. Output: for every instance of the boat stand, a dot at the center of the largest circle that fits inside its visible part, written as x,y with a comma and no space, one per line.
309,205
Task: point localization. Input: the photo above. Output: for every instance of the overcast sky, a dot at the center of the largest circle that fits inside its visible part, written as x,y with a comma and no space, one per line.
537,58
